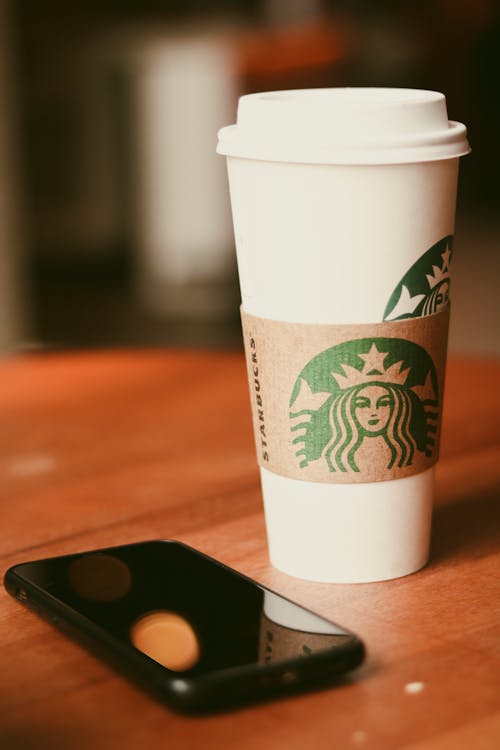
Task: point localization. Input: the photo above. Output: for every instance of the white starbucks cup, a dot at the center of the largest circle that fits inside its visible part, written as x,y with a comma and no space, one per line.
343,206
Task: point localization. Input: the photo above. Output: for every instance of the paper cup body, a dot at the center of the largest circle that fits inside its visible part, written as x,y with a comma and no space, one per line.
327,243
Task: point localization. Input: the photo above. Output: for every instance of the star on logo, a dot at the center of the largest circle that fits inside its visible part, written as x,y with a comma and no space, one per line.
406,304
446,256
374,361
426,391
307,400
373,370
440,274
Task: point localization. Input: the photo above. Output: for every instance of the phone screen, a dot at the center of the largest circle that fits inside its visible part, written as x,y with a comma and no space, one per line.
183,610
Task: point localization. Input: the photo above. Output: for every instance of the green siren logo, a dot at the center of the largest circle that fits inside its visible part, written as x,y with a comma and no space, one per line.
425,289
365,403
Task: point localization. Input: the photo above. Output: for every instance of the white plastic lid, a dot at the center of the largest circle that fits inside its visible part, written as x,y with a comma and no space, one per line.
344,126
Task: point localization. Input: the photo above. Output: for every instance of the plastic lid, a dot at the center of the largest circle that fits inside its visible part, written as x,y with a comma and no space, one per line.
344,126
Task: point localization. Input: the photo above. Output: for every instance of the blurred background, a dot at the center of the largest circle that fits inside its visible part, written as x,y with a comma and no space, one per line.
115,225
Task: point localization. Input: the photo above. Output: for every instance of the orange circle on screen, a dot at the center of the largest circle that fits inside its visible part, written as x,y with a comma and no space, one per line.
167,638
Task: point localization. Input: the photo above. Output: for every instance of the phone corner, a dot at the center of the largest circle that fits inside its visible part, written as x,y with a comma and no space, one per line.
9,580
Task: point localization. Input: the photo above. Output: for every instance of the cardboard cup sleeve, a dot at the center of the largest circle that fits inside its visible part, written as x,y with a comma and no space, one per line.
346,403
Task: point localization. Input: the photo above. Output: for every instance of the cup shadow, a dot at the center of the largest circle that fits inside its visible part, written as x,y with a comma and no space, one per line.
468,528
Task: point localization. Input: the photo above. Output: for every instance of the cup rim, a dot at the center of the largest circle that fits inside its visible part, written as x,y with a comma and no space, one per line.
344,126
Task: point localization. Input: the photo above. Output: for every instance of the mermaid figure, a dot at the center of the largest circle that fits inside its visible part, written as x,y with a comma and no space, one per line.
372,409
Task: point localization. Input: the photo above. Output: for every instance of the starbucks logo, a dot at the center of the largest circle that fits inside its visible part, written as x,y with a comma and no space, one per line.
366,402
425,289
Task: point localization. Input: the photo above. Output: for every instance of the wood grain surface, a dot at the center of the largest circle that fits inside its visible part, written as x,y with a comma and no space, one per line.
106,448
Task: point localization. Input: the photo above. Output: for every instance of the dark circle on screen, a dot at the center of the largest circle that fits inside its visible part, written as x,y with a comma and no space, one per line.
100,577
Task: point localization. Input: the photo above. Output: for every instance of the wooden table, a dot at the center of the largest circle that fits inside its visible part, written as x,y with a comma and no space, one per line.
107,448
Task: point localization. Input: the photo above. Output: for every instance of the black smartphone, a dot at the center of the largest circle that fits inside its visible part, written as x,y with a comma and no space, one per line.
195,632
